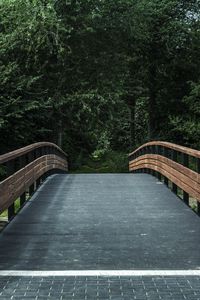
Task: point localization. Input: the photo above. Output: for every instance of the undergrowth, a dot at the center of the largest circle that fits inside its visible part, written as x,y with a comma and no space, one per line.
109,162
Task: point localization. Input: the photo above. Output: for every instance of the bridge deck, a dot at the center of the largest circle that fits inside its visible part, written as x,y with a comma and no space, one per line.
103,222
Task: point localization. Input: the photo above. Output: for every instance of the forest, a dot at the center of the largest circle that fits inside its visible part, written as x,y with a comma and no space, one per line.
99,77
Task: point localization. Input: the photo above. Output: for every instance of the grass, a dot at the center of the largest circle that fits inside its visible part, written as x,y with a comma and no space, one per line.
193,203
4,214
109,162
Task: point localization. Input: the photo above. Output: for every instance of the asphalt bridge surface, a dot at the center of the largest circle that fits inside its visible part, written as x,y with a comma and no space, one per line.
103,222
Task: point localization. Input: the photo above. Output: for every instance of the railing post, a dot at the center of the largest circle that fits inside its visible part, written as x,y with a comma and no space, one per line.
186,197
198,207
174,186
31,189
10,167
156,149
40,151
198,171
145,150
185,161
149,149
38,182
151,172
22,199
166,152
166,181
37,153
174,155
22,162
159,150
162,150
44,176
31,157
11,211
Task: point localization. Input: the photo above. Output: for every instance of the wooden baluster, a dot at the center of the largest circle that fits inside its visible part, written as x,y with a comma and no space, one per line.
165,154
32,186
22,161
174,158
185,162
10,166
198,171
22,199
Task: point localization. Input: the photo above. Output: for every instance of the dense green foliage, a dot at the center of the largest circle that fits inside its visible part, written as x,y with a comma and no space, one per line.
99,77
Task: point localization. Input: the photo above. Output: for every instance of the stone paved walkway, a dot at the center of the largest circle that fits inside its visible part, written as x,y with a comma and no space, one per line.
100,288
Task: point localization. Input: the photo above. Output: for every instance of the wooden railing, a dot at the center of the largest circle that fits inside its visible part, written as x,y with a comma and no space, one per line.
23,170
177,166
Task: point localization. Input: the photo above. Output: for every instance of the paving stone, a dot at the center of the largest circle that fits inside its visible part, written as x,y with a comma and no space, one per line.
101,289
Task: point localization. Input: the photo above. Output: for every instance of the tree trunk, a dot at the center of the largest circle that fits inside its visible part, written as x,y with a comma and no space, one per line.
131,104
60,134
152,105
152,122
132,125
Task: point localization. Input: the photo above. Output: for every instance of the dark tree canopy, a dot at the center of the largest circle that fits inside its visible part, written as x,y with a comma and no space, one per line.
99,76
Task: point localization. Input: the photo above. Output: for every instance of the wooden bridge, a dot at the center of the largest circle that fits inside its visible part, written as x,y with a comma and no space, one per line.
100,236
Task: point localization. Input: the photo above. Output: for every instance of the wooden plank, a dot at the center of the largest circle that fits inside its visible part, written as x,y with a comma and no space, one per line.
12,187
182,149
178,174
178,167
22,151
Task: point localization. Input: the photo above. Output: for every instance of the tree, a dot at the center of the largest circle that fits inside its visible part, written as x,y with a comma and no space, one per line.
97,75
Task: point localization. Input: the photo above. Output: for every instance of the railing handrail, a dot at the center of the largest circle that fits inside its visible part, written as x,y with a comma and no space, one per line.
22,151
172,163
182,149
25,169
